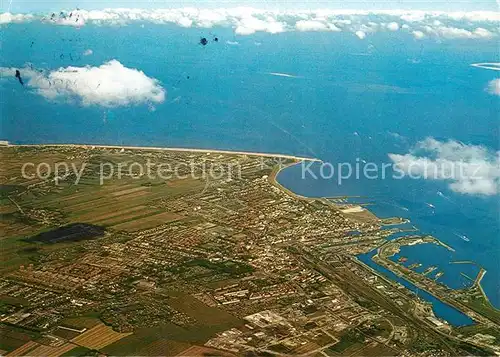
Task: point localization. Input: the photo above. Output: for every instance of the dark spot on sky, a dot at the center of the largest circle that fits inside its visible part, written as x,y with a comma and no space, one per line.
188,77
61,56
216,39
203,41
18,76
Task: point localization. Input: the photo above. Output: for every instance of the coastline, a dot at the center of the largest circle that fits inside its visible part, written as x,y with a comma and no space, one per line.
358,212
273,180
171,149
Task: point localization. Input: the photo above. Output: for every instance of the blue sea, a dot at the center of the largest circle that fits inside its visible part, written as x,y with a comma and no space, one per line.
345,99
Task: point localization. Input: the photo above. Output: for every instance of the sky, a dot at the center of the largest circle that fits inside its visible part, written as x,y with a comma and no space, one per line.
23,6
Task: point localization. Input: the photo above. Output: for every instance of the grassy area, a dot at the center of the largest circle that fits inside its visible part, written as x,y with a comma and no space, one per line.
164,347
145,341
12,337
226,267
484,307
89,201
367,304
15,252
143,338
485,330
377,350
81,322
216,319
350,340
13,301
79,352
380,328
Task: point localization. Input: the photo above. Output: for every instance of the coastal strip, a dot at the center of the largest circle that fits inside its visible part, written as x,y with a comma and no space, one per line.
172,149
273,180
356,212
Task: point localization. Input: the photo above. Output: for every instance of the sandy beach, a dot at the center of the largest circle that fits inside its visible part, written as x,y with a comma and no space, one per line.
207,151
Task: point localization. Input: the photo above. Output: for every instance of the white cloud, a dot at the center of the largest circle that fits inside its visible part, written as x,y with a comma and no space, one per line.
88,52
7,17
311,25
469,169
474,16
242,30
482,33
233,43
452,33
393,26
250,24
108,85
247,21
494,87
418,34
360,34
184,22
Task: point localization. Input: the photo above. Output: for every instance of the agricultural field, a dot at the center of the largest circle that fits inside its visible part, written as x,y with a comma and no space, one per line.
124,204
12,338
24,349
350,342
98,337
32,208
201,351
206,321
47,351
164,348
376,349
